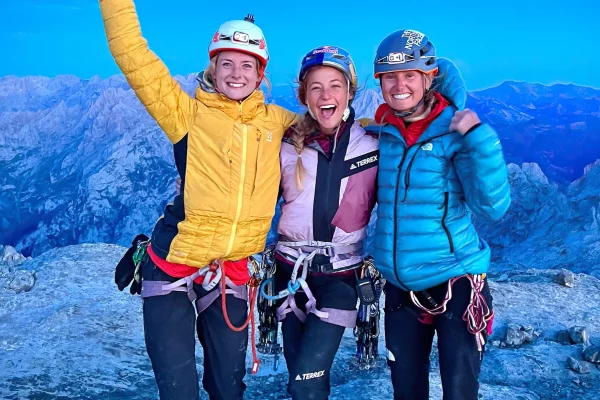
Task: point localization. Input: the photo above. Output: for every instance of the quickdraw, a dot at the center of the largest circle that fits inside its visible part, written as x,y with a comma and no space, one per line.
140,254
267,310
367,320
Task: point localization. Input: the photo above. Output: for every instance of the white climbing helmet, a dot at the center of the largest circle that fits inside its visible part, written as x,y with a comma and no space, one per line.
242,36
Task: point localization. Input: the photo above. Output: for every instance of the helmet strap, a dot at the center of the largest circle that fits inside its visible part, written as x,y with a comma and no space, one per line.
310,111
347,110
410,112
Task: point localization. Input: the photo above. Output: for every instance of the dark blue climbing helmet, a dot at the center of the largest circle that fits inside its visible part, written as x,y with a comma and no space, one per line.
405,50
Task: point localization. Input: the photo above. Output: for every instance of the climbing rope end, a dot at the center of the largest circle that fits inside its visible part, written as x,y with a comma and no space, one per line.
255,366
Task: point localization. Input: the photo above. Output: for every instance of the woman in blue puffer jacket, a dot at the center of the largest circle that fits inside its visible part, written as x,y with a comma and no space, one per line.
438,166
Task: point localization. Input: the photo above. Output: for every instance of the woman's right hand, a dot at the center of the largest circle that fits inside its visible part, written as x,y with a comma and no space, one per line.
158,91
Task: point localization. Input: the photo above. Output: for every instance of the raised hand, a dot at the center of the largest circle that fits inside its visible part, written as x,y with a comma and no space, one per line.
463,121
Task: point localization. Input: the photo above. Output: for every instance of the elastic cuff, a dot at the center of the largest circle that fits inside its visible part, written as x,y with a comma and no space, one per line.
472,128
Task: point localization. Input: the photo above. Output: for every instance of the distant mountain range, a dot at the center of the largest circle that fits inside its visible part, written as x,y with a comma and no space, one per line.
82,161
557,127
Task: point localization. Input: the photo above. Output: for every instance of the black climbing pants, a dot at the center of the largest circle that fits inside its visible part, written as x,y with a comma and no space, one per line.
169,323
409,336
309,348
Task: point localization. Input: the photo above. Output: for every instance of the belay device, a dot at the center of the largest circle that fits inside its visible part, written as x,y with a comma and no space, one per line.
268,324
369,287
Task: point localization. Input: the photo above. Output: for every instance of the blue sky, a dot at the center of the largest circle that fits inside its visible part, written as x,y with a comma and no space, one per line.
525,40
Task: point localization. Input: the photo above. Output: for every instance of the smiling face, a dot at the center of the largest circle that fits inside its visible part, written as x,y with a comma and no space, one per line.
327,96
402,90
236,74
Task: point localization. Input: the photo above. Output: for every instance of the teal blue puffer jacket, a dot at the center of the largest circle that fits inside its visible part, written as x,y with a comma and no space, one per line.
428,192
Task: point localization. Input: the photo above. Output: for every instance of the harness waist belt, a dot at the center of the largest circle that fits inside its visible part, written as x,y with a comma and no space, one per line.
329,249
330,268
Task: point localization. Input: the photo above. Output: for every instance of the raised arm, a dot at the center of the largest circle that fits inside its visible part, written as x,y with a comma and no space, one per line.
147,75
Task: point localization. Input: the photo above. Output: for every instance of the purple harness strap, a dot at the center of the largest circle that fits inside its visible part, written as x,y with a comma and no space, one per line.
240,292
284,309
344,318
162,288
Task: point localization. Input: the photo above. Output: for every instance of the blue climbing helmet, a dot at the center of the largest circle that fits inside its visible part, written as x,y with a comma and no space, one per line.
330,56
405,50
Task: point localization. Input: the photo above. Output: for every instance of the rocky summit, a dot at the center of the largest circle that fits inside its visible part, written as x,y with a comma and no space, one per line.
74,335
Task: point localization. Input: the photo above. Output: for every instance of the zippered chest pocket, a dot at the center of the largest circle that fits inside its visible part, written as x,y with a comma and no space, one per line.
446,207
266,145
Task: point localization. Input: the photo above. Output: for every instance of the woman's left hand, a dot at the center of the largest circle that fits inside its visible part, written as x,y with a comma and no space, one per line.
463,121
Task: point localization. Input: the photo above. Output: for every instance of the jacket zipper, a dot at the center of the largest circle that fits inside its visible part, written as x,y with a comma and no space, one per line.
406,185
450,242
407,175
241,185
329,161
396,214
410,164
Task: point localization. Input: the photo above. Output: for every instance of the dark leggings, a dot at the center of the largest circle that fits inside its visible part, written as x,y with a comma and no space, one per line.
409,342
309,348
169,323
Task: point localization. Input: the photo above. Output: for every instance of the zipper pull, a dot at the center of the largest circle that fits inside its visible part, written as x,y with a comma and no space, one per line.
229,155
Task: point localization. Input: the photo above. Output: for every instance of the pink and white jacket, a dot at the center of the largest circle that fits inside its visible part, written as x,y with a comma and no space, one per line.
333,208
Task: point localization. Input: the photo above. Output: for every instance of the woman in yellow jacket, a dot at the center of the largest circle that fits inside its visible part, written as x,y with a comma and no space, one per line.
226,142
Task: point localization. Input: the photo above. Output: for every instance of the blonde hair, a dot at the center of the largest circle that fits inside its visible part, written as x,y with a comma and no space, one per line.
304,128
429,98
299,132
212,67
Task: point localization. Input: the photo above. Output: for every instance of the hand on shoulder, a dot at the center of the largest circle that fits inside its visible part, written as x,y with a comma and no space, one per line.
364,122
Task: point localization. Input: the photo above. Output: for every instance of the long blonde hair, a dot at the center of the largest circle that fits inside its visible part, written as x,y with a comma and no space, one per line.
304,128
212,67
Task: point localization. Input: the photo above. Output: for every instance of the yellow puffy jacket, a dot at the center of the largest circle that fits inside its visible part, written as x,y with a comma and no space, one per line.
226,152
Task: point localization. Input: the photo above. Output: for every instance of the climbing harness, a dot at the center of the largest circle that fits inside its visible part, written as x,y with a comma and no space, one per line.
366,330
267,310
213,274
477,315
302,254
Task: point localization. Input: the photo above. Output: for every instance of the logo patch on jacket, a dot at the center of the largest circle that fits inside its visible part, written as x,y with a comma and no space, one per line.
361,163
427,147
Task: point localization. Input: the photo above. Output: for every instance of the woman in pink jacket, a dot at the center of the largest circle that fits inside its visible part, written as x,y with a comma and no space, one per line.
329,169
